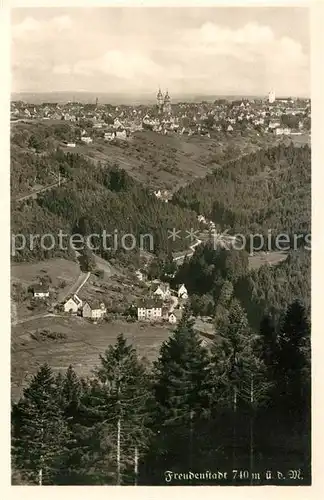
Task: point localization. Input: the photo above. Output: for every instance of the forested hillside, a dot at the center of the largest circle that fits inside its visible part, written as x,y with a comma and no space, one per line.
92,199
268,189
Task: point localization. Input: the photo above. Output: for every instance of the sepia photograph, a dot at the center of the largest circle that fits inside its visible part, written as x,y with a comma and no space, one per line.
160,258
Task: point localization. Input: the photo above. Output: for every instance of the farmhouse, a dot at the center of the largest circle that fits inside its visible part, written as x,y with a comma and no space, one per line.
94,310
162,291
149,310
73,304
41,291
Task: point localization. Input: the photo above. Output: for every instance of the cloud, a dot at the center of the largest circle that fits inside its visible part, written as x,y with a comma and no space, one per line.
209,57
30,29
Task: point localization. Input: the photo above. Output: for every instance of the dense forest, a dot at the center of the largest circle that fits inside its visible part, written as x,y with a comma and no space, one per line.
92,199
194,410
265,190
213,275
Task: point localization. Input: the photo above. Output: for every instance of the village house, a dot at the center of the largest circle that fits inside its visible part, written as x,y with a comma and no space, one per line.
86,139
72,305
283,131
71,144
140,275
182,292
94,310
149,310
162,291
41,291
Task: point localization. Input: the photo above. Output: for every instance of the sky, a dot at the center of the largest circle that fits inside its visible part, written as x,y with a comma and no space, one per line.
133,51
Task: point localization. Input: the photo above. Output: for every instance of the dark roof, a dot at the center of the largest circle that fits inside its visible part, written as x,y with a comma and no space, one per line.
40,288
149,303
94,304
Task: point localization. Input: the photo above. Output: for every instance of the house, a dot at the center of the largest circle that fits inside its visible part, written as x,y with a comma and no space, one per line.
172,319
71,144
41,291
230,128
182,292
202,219
73,304
162,291
149,310
121,134
86,139
94,310
140,275
283,131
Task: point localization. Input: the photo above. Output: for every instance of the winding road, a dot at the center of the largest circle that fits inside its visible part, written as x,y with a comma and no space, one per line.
35,193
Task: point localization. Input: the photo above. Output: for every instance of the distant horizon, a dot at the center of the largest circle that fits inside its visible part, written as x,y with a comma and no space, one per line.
146,97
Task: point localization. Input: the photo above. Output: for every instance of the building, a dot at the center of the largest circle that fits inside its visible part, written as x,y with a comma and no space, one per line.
86,139
283,131
41,291
271,97
182,292
167,103
72,305
172,319
94,310
71,144
159,101
149,310
162,291
163,103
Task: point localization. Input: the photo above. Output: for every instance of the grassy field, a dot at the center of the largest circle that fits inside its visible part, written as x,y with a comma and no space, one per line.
81,347
167,161
58,269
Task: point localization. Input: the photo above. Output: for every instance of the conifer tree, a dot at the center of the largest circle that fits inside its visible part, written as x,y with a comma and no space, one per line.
40,433
293,359
123,395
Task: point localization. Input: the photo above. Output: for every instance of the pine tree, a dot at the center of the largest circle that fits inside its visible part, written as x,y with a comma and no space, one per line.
125,391
182,372
293,358
182,392
239,374
40,433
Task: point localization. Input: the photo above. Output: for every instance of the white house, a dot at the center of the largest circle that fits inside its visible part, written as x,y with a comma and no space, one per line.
229,128
149,310
73,304
140,275
172,319
202,219
41,291
182,292
283,131
71,144
163,291
121,134
86,139
94,310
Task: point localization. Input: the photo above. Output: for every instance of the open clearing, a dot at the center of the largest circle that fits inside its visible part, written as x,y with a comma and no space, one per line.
58,269
81,347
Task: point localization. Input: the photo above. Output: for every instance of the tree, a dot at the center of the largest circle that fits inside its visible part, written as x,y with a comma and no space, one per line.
238,374
40,433
292,371
124,388
87,260
182,392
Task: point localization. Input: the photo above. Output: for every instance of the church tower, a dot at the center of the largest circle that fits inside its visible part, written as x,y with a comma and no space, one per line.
159,100
167,103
